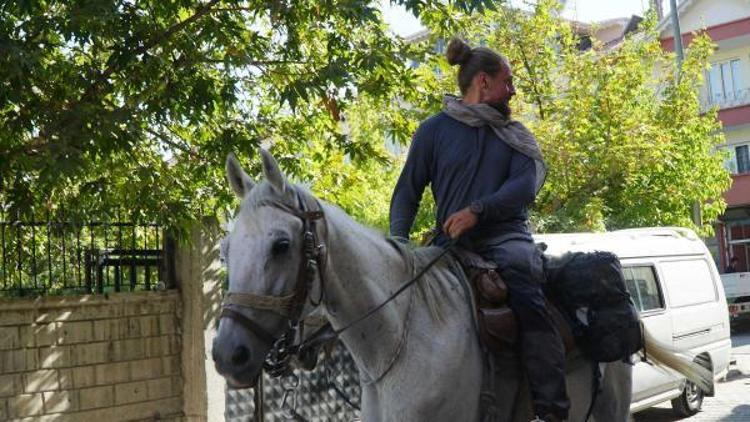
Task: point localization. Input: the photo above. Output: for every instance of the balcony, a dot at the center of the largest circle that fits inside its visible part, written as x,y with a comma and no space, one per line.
730,99
736,98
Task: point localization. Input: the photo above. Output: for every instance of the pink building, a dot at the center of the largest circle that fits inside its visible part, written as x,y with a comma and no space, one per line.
727,88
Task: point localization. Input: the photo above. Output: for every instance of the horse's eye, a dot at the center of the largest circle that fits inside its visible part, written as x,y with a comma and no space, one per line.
280,246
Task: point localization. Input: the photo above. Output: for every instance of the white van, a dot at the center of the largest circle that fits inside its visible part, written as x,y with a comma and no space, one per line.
677,290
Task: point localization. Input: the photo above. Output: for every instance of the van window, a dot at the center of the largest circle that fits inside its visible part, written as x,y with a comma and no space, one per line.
643,288
688,282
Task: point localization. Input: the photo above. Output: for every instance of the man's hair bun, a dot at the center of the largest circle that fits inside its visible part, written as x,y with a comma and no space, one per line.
458,52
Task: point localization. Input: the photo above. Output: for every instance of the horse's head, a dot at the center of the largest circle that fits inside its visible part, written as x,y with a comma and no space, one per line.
263,253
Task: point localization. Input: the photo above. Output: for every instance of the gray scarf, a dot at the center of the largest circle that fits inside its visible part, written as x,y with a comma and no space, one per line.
514,133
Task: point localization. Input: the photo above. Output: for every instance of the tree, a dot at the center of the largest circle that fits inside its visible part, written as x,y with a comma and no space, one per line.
133,106
108,106
626,142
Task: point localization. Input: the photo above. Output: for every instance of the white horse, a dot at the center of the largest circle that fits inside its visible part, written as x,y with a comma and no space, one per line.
419,357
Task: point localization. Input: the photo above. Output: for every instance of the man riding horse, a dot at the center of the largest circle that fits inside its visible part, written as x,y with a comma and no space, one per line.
484,170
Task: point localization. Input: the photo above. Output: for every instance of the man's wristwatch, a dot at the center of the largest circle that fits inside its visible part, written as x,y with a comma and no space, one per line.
476,207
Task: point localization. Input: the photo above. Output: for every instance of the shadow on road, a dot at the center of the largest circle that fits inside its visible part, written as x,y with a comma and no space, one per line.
735,374
656,415
739,413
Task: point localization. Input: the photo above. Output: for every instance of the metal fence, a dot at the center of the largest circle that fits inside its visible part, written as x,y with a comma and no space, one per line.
68,258
315,399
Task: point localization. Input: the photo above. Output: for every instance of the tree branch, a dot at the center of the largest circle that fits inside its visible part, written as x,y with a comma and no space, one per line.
233,9
115,65
164,138
531,72
153,42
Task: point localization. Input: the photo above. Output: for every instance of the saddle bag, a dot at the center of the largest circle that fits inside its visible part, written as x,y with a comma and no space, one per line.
497,323
498,327
589,289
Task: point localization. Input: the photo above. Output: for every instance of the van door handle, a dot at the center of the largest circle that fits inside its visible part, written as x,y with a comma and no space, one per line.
692,334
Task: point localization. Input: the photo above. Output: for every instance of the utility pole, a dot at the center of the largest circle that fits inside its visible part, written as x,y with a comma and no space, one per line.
657,6
677,34
680,56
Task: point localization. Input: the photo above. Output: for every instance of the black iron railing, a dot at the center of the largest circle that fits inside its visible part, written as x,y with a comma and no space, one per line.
316,397
68,258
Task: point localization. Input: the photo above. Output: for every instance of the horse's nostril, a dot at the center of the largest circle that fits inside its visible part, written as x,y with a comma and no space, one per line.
240,356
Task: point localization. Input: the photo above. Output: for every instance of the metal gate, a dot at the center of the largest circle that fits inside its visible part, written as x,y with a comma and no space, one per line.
56,257
316,399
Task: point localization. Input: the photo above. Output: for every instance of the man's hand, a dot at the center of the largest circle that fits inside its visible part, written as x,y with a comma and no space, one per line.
459,223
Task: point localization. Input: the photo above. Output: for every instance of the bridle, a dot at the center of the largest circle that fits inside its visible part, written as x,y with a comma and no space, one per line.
290,306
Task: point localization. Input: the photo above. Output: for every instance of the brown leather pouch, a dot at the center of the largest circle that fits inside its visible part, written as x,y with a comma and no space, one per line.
498,328
491,287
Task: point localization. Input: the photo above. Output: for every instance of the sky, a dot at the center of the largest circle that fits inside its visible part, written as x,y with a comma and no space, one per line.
403,23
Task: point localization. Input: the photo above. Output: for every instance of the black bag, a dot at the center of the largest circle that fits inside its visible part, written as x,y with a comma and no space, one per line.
589,288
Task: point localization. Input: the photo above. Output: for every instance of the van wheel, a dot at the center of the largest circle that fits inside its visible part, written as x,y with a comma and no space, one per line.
689,402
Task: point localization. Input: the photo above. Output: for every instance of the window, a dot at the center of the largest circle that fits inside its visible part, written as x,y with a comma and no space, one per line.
724,83
738,239
688,282
738,161
643,288
743,159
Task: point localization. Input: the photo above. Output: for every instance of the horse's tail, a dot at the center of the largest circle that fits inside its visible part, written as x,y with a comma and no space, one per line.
665,355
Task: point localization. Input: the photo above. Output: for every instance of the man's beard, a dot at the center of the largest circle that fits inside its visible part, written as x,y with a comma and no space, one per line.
503,107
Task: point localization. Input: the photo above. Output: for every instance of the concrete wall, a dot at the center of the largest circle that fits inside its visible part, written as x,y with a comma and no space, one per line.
89,358
118,357
708,13
199,278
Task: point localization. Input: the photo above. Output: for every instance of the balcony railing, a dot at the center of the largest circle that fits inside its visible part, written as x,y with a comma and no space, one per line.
730,99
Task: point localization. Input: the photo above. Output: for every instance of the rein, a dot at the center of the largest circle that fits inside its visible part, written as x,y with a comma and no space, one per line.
290,306
336,333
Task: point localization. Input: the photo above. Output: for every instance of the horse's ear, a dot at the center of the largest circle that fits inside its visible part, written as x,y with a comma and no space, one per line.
272,172
239,180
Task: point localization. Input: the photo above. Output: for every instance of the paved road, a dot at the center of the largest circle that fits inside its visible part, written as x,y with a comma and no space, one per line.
732,400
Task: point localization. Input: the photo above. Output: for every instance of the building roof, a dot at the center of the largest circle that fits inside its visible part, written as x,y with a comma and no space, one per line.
613,22
418,36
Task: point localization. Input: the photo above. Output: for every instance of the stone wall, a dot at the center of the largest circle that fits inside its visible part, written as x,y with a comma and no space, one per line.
91,358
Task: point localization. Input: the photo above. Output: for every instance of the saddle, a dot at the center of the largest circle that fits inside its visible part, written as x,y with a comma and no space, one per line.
498,327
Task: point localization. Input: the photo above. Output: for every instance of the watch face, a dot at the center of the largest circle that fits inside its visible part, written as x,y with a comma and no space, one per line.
476,207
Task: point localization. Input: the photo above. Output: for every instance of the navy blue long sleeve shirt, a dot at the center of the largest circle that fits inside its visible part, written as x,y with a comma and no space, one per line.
463,164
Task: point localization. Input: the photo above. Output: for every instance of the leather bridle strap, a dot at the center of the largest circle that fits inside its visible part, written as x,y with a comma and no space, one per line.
248,324
280,305
305,216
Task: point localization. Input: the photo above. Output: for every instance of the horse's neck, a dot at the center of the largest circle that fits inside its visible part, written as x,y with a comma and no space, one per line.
363,270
